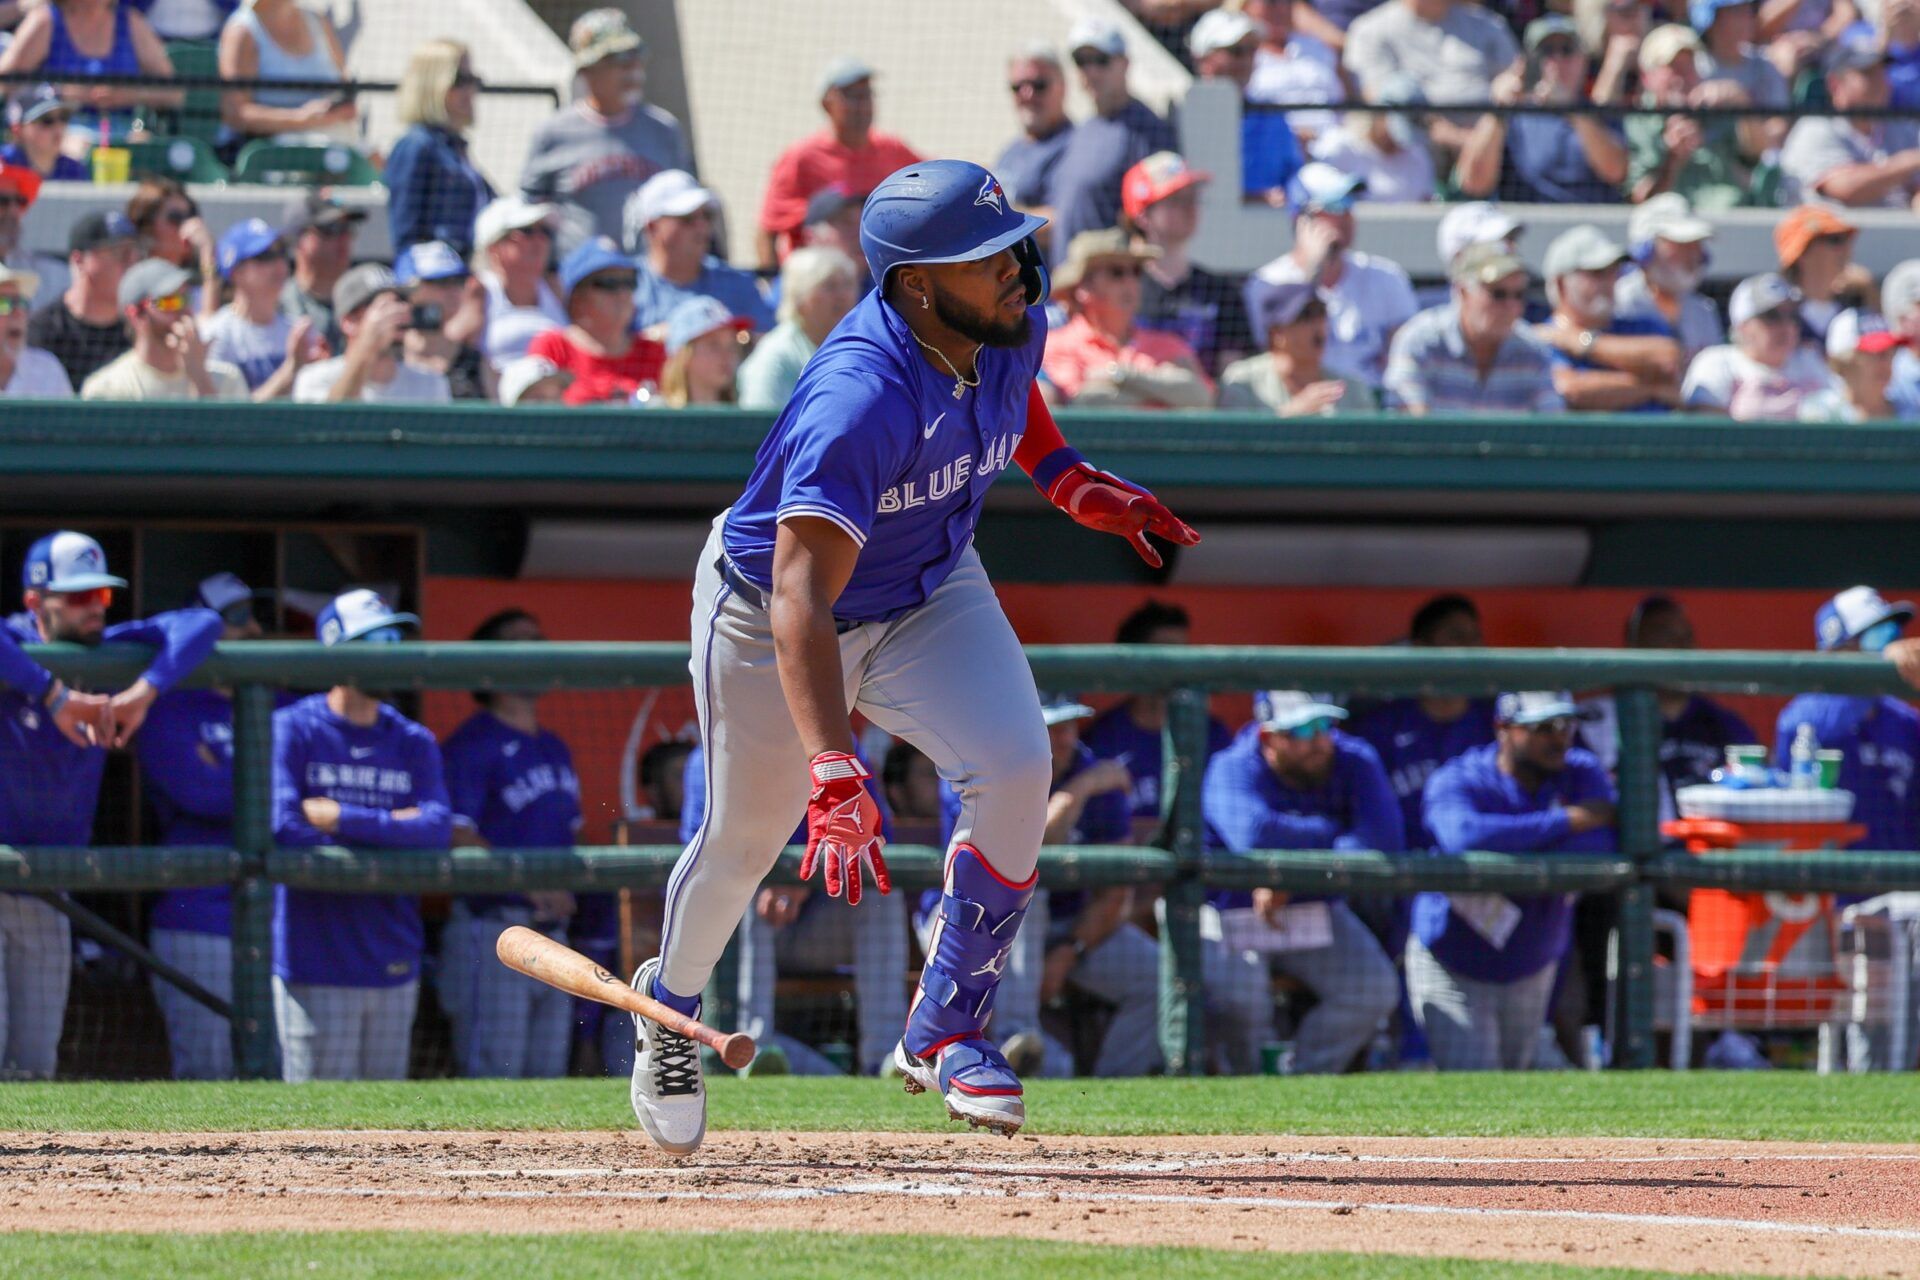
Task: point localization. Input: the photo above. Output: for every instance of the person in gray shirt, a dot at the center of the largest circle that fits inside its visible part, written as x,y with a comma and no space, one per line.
595,153
1120,133
1859,163
1729,28
1451,50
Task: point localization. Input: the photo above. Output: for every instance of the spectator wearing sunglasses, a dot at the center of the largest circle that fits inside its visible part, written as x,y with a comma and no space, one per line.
39,125
1544,159
53,756
515,269
1293,780
168,359
269,40
251,333
447,310
670,222
1291,66
1101,356
1473,355
375,314
434,190
1766,373
1815,247
1856,161
26,372
1602,362
172,229
1121,132
82,328
1025,168
320,231
1480,967
1452,50
1223,45
608,360
1861,346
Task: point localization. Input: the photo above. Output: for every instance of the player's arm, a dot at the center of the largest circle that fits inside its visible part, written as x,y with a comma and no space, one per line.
183,638
1097,499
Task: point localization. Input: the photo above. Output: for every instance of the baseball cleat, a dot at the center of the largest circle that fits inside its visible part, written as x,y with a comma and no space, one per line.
974,1081
669,1092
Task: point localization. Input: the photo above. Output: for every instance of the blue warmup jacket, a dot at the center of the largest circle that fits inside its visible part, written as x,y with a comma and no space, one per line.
1114,736
1412,745
1247,806
1472,805
349,939
518,790
186,762
1881,739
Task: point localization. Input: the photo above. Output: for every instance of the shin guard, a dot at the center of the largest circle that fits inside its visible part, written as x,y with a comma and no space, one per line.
980,912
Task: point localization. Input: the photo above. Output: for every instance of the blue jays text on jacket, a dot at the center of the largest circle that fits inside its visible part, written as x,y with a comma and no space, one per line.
1248,806
48,786
874,441
518,790
1472,805
1880,739
1411,745
1115,736
343,939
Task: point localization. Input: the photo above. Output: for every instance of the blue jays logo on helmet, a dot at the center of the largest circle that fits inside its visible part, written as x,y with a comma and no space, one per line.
948,211
990,194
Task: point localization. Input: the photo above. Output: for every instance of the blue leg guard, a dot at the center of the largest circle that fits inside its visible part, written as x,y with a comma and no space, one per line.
945,1045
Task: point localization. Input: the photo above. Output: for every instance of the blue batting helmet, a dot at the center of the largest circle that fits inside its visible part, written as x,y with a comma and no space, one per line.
948,211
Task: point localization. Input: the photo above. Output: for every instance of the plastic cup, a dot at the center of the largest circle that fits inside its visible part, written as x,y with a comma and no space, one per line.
1829,763
1747,759
1276,1057
840,1054
111,165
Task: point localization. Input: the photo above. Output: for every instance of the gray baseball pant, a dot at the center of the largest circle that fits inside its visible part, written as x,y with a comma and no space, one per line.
827,935
344,1033
36,966
200,1040
1476,1026
504,1023
949,677
1353,982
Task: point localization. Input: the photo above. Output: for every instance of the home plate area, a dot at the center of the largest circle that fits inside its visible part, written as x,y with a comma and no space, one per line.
1702,1206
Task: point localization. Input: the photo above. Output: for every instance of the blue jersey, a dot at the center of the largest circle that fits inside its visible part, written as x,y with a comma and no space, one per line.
1248,806
1472,805
518,790
874,441
1411,745
48,786
186,762
1115,736
348,939
655,297
1881,740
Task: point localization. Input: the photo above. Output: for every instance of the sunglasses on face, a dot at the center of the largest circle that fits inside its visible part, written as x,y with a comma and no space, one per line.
1507,295
467,80
1834,239
177,217
1317,727
612,284
102,596
1116,270
333,230
1779,315
1559,726
10,305
1558,49
169,305
12,200
237,615
1088,60
56,121
1039,84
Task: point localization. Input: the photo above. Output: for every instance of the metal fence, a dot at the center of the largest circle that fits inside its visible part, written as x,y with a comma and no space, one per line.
1181,865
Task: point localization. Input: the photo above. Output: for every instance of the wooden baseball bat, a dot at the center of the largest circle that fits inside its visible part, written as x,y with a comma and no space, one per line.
558,965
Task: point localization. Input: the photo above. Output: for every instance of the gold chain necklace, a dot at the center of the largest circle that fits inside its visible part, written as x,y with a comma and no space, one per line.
960,384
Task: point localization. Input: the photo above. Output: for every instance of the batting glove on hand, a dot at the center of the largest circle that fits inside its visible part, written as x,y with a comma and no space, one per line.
843,826
1101,500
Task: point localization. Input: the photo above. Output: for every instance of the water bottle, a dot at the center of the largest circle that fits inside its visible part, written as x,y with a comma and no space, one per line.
1804,759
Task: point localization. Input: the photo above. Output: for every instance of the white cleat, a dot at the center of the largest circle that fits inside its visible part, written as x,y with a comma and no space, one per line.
991,1107
669,1092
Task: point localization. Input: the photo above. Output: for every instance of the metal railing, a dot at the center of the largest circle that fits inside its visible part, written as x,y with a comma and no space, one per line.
255,671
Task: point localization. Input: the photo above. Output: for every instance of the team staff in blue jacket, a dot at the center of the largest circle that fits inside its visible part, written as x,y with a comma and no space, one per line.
1480,967
512,785
186,766
1290,780
1132,731
349,769
52,755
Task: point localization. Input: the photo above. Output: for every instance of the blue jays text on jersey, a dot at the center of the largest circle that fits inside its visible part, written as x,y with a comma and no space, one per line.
1115,736
874,442
1412,745
185,750
518,790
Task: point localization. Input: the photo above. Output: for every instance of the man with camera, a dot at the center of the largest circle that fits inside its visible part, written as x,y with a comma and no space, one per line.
374,317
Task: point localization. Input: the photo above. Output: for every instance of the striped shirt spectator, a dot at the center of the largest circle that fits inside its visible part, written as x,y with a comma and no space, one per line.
1469,355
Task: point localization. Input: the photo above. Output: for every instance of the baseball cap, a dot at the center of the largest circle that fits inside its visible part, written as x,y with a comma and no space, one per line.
597,254
44,100
599,34
99,229
1800,227
1537,705
1155,178
699,316
28,281
1477,222
1853,613
317,209
244,241
22,179
1581,248
1665,43
829,202
1089,246
1854,330
362,285
225,593
1667,216
1857,48
1484,264
429,260
1900,292
1059,708
1544,28
358,614
521,375
508,214
152,278
1757,295
671,193
1284,709
66,561
1320,185
842,72
1220,29
1701,13
1097,33
1282,304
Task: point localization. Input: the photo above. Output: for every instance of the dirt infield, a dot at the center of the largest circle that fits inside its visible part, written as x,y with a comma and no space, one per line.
1672,1205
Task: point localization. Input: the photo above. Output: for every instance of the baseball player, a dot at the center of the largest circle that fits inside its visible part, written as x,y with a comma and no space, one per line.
51,762
186,764
844,577
349,769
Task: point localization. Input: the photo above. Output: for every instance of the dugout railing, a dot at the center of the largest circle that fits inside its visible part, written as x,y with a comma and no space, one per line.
254,672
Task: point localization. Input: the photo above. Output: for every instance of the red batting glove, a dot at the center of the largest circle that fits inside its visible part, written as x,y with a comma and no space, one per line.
1101,500
843,826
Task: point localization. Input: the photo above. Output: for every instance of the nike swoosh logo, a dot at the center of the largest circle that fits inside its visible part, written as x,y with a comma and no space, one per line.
926,432
511,749
359,753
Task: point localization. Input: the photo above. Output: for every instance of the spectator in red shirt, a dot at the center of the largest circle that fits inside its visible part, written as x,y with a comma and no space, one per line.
607,359
849,152
1100,356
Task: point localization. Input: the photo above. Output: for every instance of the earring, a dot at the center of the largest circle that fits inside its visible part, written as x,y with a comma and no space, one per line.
924,304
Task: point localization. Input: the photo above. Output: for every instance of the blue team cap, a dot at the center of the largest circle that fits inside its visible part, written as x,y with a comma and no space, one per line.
1059,708
245,241
66,561
360,615
1536,706
429,260
699,316
1701,12
1283,709
1318,185
1853,613
596,255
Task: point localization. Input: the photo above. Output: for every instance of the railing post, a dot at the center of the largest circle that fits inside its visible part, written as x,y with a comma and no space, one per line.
1639,829
256,1044
1183,1024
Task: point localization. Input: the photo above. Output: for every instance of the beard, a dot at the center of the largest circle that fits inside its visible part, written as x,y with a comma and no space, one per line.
1676,280
981,327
